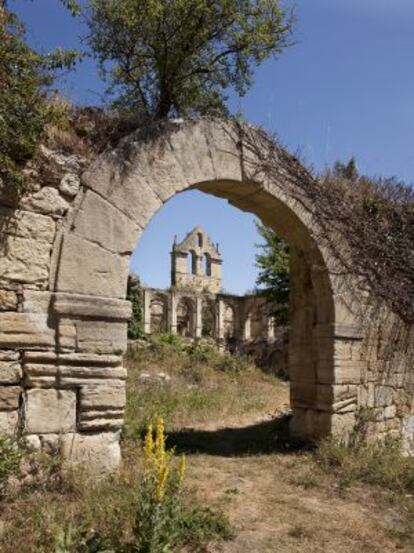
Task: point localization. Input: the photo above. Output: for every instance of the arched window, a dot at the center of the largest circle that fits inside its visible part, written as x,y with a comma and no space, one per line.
192,263
199,239
208,318
256,324
207,264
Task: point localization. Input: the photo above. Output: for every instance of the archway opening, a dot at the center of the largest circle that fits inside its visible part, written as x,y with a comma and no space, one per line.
133,196
158,314
208,318
204,347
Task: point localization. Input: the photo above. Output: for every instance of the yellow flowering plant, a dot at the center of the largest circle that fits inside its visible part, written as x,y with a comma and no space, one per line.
159,517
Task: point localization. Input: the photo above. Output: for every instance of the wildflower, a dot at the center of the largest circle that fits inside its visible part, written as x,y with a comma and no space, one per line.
160,442
181,469
162,480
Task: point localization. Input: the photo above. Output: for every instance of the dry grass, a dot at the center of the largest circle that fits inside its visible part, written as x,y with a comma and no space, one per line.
279,499
200,388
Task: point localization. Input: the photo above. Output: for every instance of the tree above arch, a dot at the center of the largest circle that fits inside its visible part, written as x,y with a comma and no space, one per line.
178,57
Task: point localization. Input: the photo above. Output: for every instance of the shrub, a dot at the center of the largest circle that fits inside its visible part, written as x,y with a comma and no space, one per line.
134,295
25,109
166,343
380,464
11,456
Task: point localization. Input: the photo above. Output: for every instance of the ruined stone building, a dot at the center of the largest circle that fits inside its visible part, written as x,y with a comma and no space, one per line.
65,248
195,306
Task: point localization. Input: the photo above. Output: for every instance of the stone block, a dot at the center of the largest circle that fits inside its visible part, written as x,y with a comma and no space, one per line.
9,398
32,441
100,222
50,411
67,335
342,425
384,413
303,394
69,185
100,453
339,349
8,300
96,307
383,396
24,259
408,434
47,201
309,424
50,443
390,412
339,398
25,330
26,224
168,168
59,162
102,397
52,375
9,421
86,359
86,268
36,301
123,186
101,422
340,371
8,355
10,372
101,336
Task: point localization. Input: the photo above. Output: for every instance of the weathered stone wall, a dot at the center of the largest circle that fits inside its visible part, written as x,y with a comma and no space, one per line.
64,261
386,390
159,304
61,375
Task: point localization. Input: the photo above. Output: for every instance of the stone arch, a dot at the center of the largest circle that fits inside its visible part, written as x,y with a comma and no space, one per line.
229,321
208,318
72,328
186,310
255,322
158,313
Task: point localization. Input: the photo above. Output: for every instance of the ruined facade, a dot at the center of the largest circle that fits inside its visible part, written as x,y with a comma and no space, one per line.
196,263
195,307
64,263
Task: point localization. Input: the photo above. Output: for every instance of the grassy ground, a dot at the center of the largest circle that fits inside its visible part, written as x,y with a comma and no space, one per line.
248,488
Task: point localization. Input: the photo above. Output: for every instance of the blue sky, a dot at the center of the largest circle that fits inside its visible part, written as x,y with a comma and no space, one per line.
345,88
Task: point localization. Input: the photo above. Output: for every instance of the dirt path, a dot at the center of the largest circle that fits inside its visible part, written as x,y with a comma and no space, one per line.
276,507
